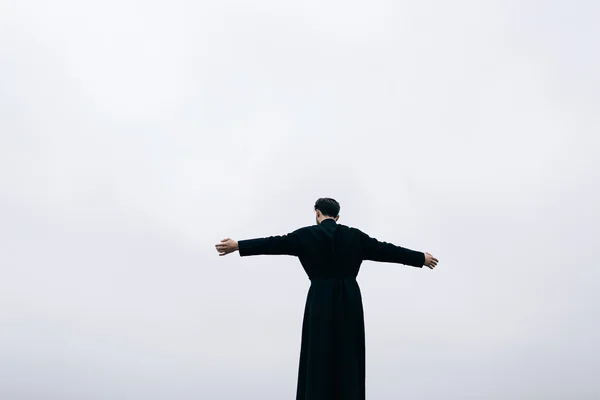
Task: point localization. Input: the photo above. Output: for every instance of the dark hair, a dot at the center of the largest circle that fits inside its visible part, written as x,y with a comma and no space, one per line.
328,207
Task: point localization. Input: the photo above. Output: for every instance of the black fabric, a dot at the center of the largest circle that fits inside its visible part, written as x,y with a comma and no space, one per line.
332,353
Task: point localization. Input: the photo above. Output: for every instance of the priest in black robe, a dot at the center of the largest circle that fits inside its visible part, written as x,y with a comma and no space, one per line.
332,354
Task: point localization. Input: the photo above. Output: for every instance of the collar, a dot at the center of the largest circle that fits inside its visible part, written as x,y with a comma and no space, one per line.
328,221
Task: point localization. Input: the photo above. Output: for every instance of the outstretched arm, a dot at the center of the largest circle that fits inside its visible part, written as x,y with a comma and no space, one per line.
374,250
272,245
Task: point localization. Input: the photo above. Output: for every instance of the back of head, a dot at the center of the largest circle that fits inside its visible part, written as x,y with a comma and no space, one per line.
328,207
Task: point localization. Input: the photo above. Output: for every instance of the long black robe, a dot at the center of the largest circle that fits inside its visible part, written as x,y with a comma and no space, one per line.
332,355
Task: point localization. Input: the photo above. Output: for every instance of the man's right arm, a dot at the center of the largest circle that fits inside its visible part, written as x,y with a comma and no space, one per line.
288,244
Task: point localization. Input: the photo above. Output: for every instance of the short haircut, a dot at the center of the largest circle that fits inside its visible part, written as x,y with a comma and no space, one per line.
328,207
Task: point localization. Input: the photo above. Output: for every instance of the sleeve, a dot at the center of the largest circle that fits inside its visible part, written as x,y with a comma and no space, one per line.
374,250
273,245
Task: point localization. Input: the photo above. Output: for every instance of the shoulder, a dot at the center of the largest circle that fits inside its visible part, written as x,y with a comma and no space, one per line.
358,233
351,229
301,230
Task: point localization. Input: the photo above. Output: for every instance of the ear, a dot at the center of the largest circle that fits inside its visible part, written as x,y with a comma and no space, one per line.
318,213
336,218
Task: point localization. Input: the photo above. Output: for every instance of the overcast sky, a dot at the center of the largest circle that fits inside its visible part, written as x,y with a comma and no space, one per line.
136,135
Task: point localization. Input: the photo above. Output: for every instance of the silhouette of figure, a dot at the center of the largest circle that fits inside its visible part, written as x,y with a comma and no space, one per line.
332,355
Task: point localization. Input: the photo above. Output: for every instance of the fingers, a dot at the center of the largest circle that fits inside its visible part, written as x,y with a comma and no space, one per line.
221,249
431,261
223,252
225,247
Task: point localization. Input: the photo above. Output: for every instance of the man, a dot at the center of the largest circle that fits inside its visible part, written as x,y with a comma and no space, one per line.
332,355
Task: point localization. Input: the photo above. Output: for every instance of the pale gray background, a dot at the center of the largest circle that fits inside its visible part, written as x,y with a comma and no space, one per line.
135,135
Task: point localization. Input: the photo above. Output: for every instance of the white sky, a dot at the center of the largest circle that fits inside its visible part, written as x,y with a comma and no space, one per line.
135,135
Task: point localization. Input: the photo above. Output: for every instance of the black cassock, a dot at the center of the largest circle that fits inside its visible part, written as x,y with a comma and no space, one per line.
332,355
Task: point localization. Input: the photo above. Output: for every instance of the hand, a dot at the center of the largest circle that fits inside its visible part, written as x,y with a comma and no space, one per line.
226,246
430,261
